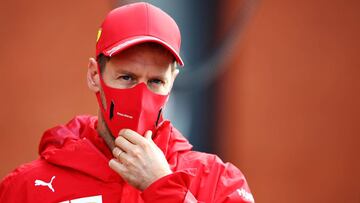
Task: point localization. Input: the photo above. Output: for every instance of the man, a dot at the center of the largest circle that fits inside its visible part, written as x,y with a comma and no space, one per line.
129,153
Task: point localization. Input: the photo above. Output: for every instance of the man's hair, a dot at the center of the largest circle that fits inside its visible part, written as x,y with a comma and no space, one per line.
102,59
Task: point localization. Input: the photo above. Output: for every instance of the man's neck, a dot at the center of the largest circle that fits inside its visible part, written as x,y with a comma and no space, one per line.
104,132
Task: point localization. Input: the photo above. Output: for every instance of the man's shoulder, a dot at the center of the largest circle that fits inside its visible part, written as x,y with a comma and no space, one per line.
189,158
38,168
203,157
25,172
22,177
203,160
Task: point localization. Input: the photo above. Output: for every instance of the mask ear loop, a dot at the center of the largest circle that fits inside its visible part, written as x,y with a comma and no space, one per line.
103,105
111,113
158,118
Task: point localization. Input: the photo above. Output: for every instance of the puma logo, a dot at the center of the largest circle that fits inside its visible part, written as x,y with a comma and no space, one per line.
42,183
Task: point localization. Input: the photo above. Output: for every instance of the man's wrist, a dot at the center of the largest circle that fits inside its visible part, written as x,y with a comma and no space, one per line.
158,177
175,184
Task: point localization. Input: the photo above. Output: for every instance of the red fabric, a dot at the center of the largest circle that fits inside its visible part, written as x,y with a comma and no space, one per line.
76,158
136,108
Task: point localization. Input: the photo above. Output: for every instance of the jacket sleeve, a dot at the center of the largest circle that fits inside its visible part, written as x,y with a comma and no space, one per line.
231,184
219,183
170,188
12,190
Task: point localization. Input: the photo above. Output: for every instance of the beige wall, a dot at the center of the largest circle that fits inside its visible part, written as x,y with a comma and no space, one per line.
45,46
290,102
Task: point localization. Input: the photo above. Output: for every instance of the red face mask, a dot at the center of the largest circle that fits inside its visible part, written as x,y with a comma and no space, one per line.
136,108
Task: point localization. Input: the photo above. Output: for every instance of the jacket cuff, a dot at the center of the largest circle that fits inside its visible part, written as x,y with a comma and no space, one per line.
170,188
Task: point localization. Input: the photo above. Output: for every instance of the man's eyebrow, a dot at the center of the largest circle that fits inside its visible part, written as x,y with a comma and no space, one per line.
126,72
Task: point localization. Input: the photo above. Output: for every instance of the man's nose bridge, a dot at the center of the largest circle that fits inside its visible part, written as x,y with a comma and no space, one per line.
142,80
143,84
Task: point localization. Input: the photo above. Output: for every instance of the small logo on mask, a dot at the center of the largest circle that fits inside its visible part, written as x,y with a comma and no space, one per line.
124,115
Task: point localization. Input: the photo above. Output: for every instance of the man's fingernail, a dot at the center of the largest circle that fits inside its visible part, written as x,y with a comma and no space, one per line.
121,131
112,161
148,133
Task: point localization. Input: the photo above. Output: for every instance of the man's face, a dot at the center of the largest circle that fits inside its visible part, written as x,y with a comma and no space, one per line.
149,64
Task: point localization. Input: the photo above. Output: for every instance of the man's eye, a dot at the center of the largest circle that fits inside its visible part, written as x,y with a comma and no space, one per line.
156,81
125,77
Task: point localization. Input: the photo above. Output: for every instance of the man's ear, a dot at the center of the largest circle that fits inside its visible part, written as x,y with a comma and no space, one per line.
93,77
174,75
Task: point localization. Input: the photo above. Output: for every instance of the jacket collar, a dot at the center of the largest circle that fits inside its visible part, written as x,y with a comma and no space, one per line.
78,146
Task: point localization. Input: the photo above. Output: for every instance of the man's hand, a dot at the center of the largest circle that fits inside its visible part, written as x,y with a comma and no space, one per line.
138,160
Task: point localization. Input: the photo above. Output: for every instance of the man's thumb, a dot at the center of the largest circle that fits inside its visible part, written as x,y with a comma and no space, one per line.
148,135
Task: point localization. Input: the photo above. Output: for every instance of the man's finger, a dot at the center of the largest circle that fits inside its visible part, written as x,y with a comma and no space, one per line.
118,167
132,136
148,135
117,152
123,144
121,156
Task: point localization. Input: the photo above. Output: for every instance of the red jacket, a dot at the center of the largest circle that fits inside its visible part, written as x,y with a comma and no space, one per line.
73,167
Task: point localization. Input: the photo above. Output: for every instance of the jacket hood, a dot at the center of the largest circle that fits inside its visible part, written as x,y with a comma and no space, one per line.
78,146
